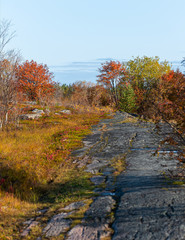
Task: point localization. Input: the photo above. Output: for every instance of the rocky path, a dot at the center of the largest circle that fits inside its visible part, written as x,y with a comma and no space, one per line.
136,203
144,205
149,207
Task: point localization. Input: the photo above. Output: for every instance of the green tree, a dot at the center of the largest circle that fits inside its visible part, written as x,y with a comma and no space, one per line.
127,101
67,90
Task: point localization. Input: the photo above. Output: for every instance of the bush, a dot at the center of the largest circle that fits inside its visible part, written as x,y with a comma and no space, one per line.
127,101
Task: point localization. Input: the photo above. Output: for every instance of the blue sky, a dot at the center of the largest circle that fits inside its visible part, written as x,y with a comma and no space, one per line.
58,31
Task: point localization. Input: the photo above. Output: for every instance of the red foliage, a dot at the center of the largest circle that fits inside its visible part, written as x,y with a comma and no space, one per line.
34,80
2,181
112,74
172,103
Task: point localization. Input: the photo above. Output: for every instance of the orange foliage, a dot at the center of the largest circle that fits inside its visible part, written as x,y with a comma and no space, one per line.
140,95
112,74
89,94
34,80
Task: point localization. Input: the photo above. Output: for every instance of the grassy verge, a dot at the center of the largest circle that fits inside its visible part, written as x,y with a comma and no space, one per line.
36,169
119,164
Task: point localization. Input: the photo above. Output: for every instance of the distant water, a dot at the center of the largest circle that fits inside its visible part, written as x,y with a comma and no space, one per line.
87,71
77,71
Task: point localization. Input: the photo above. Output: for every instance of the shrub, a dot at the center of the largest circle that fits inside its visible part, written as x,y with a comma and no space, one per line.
127,101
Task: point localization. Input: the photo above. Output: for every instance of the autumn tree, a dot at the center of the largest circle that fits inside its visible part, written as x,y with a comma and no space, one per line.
171,103
112,74
34,80
8,92
145,74
167,103
8,62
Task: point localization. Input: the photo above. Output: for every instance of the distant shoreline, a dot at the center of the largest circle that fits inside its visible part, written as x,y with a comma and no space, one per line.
87,71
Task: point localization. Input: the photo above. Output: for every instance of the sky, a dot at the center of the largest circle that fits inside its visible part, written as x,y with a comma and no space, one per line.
58,31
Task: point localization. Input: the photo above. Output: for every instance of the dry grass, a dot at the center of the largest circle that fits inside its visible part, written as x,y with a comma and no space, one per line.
119,164
36,168
130,120
13,212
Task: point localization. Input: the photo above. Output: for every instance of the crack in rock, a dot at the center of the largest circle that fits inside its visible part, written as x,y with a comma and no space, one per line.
95,224
57,225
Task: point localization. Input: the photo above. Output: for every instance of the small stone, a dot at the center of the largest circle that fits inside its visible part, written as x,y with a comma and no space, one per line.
34,223
38,111
25,233
100,208
83,233
96,165
31,103
97,180
76,233
87,143
108,171
32,116
66,111
28,229
42,211
74,206
57,225
90,232
98,190
28,222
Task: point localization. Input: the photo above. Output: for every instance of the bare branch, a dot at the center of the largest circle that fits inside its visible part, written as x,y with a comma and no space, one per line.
8,63
5,34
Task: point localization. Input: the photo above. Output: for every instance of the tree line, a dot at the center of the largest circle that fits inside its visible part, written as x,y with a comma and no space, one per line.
147,87
143,85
